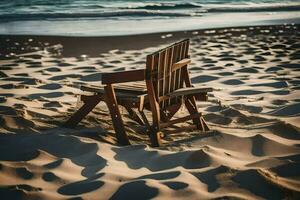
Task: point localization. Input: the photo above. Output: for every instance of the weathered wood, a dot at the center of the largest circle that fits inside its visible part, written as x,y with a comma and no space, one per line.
123,95
192,108
181,63
205,126
134,88
154,134
89,104
172,110
169,73
201,97
161,88
89,98
189,91
146,122
93,89
123,76
133,115
111,101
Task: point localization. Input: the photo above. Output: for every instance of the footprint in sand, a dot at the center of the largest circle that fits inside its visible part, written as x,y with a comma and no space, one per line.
92,77
273,69
135,190
49,177
175,185
203,79
64,77
226,73
279,84
22,74
65,64
247,70
46,95
52,104
233,82
24,173
209,177
262,187
54,164
81,187
50,86
7,86
53,69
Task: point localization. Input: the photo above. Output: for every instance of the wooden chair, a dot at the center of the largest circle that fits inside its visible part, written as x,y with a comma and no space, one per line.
162,88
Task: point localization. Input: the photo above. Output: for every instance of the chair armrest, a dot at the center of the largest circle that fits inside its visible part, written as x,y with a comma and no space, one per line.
199,92
123,76
181,63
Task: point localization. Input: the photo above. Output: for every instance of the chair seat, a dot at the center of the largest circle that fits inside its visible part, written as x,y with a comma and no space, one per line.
135,93
138,87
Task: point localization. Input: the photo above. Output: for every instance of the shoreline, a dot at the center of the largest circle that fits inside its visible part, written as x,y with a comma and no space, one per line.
144,25
74,46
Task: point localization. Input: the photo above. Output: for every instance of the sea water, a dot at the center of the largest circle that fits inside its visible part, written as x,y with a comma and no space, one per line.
104,17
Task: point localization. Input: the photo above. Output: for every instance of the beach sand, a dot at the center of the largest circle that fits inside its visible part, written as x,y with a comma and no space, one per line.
251,152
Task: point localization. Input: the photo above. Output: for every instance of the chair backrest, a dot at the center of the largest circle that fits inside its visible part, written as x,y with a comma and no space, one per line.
164,77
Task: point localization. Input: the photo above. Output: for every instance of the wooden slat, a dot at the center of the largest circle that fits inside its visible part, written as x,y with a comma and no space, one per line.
154,138
178,71
170,73
183,56
136,89
123,76
183,69
165,79
173,74
155,63
159,69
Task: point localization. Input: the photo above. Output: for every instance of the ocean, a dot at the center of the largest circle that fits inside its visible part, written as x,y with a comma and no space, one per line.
103,17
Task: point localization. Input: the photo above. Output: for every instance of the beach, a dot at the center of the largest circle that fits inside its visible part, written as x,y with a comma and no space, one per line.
251,152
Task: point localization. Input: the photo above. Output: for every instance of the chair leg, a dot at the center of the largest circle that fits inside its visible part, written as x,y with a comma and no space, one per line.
206,128
90,103
146,122
155,134
173,110
190,104
155,138
112,105
133,115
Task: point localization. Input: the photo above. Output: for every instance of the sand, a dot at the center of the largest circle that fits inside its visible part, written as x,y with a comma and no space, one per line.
251,152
